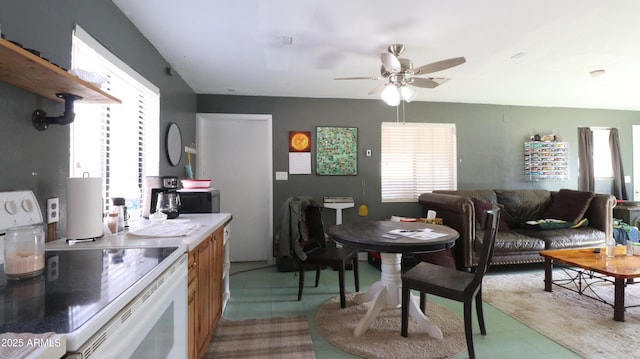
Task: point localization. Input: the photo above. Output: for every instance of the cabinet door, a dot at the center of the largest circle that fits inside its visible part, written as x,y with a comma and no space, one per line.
216,276
203,319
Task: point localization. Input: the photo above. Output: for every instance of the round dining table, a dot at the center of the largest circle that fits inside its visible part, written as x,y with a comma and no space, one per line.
392,239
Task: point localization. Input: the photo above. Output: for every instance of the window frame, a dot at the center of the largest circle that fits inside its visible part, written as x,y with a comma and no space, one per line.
124,139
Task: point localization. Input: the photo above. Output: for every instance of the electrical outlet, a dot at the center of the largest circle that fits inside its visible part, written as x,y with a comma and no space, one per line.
53,210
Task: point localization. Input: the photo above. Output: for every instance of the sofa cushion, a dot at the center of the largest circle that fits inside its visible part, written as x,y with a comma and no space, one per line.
512,241
523,205
544,224
569,205
566,238
481,206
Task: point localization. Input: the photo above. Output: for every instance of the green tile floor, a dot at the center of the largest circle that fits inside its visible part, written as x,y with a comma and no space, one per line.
259,291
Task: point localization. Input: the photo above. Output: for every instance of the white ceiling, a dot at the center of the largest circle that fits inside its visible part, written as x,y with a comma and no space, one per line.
236,47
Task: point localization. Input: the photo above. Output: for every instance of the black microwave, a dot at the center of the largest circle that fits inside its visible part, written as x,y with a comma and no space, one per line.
199,201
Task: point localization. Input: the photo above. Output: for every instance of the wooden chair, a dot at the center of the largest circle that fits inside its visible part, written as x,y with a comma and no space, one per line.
320,254
453,284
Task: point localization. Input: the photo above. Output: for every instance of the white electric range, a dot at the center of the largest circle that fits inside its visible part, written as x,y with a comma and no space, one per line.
98,297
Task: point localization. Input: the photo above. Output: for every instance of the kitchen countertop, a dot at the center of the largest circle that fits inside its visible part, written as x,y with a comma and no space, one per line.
53,346
208,222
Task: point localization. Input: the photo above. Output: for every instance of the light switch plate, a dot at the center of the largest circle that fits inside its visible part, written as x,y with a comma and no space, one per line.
282,176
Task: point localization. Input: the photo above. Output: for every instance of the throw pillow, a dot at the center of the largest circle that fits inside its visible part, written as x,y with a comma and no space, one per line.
569,205
481,206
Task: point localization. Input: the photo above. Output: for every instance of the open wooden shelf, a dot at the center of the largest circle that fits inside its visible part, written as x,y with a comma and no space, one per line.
23,69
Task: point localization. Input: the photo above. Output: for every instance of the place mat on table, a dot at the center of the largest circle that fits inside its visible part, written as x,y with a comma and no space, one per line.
167,229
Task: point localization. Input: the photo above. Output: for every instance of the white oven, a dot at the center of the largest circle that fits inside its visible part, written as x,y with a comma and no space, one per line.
152,325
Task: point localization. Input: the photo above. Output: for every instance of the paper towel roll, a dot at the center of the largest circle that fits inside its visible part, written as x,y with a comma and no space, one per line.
84,207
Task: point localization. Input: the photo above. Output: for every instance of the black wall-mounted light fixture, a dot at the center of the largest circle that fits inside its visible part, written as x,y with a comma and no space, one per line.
41,121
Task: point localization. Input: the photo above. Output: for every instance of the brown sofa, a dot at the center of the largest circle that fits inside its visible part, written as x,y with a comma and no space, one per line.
518,242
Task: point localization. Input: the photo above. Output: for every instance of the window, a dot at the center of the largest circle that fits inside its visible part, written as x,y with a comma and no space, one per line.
602,166
417,158
120,142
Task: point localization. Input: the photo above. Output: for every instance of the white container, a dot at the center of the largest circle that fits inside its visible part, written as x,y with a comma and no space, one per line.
24,252
84,208
195,184
610,244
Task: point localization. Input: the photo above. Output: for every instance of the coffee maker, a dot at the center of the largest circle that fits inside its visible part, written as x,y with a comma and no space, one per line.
154,185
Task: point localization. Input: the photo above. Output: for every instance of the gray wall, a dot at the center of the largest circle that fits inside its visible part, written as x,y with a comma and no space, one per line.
489,136
39,161
490,142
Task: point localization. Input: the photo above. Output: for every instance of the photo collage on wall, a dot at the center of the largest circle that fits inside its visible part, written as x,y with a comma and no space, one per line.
336,151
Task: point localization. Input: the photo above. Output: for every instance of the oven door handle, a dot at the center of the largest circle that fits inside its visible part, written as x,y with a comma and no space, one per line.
159,297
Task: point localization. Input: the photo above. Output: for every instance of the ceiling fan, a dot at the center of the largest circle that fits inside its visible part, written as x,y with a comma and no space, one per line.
400,75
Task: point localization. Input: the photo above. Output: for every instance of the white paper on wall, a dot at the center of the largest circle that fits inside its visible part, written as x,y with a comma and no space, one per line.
300,163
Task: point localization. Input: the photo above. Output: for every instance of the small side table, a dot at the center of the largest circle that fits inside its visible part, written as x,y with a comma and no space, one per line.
339,203
339,206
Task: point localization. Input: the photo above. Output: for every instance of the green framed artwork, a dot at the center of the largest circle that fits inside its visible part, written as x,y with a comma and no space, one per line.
336,151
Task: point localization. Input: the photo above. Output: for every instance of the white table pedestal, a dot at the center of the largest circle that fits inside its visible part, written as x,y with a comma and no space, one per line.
387,293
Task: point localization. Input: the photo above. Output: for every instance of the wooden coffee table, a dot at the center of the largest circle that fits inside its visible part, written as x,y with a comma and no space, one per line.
589,265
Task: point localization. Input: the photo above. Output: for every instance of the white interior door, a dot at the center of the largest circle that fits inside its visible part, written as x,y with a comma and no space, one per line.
234,151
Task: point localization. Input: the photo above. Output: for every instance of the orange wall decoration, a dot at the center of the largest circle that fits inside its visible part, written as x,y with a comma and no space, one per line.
299,141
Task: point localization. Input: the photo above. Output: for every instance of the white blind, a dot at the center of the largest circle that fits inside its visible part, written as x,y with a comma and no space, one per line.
118,142
417,158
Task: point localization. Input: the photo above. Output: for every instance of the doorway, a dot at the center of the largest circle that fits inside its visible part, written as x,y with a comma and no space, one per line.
235,152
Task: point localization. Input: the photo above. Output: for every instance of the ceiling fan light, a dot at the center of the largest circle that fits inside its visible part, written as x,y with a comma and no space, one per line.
391,95
408,94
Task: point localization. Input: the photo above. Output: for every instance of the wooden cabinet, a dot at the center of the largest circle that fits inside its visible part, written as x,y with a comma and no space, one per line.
191,313
205,292
23,69
217,276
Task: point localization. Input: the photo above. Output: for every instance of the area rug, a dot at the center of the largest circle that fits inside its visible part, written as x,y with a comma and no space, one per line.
277,338
383,339
581,324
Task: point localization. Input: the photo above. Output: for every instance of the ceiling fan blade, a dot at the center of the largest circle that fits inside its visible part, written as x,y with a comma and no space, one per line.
439,65
379,88
439,80
426,83
390,62
358,78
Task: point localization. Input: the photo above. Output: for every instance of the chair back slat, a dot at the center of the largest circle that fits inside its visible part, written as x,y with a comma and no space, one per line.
490,221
